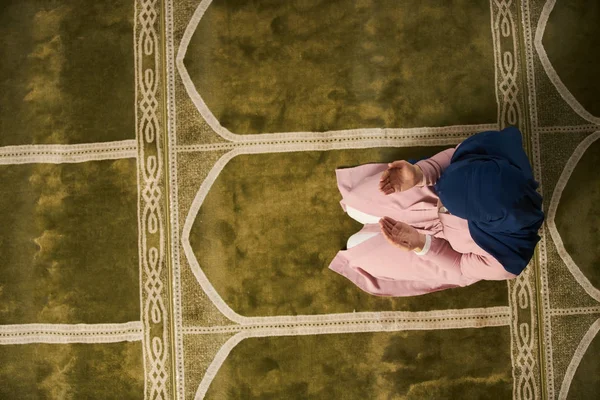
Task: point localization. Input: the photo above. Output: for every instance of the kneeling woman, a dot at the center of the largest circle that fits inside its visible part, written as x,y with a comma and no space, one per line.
466,214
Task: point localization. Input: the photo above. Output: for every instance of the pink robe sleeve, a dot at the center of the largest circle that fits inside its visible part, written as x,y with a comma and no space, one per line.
469,265
433,167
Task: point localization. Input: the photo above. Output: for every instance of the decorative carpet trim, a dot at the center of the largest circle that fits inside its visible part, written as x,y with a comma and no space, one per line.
386,136
523,332
576,360
560,186
67,153
178,353
359,322
546,317
555,312
507,62
153,263
545,330
551,72
511,111
571,128
66,333
329,144
139,203
529,64
369,321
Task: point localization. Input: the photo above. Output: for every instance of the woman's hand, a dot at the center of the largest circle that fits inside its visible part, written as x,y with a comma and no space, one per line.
400,175
401,235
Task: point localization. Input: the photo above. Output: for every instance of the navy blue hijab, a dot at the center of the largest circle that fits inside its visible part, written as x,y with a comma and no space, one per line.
489,183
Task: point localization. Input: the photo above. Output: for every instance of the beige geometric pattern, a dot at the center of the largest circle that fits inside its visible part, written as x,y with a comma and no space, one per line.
153,264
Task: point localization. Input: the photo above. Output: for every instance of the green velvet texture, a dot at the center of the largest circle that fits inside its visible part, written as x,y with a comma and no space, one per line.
272,223
68,243
572,42
578,215
68,232
405,365
67,73
284,66
586,381
72,371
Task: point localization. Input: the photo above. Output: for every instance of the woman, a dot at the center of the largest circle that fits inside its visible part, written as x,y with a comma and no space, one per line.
466,214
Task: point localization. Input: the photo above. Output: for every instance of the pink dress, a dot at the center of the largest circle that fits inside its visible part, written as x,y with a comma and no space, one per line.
382,269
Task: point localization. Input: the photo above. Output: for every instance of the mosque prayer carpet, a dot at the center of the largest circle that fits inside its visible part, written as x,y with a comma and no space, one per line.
168,202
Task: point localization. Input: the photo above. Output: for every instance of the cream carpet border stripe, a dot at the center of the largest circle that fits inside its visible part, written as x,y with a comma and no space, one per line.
577,357
262,149
529,64
545,310
370,322
551,72
178,352
136,63
557,312
439,319
67,333
570,128
71,153
547,369
560,186
391,135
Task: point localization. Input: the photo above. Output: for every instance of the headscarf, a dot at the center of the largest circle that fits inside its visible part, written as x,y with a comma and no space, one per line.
489,182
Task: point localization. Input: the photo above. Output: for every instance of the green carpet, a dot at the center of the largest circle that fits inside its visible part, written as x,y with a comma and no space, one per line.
168,204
